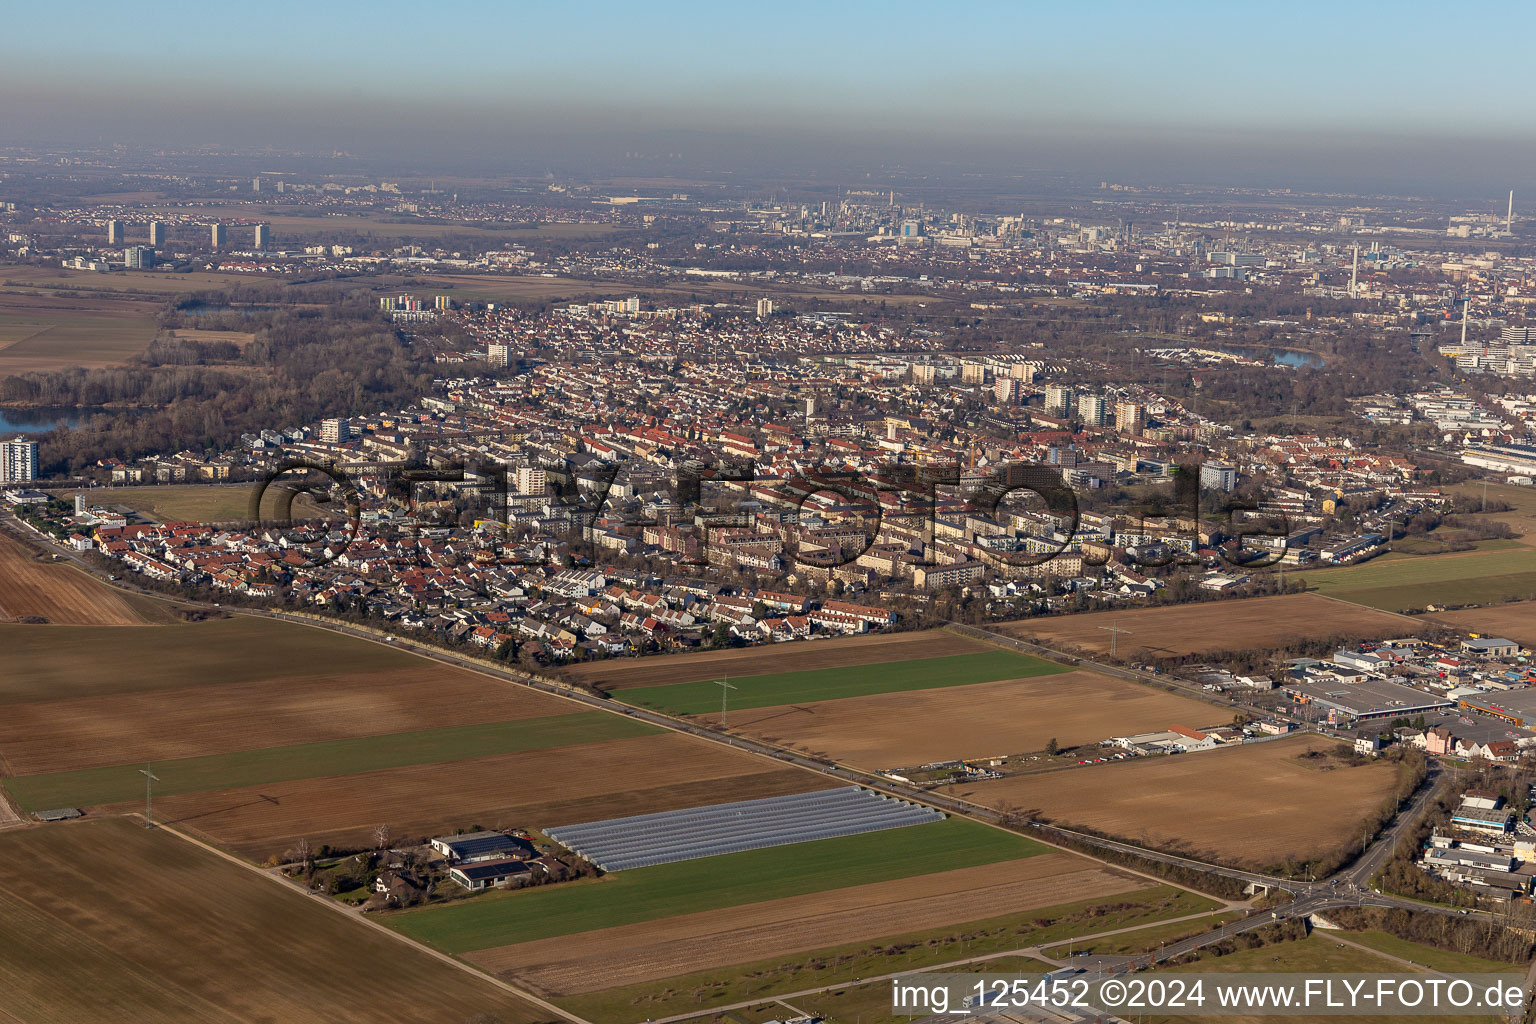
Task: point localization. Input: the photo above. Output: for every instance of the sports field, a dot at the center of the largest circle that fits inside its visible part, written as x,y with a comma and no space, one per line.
110,921
838,652
913,727
1209,626
1412,582
200,503
758,691
34,588
1255,805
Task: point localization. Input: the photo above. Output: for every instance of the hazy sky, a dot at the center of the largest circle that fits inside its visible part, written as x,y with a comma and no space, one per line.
1229,81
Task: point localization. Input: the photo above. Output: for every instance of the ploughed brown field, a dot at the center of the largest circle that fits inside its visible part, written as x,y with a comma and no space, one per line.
538,788
871,649
158,725
1238,625
31,588
60,662
109,921
1255,804
1515,621
629,954
892,730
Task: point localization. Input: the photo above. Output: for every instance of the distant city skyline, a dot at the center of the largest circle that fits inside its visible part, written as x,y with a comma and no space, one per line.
1384,95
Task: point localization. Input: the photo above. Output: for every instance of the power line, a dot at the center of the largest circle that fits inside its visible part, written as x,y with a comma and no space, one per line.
150,778
725,688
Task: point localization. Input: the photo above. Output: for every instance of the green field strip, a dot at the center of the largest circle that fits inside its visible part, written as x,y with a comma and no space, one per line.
1395,570
729,880
763,691
905,951
316,760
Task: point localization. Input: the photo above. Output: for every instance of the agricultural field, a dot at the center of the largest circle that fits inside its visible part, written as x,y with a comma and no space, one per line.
912,727
263,732
538,788
1208,627
728,880
49,331
1254,805
843,964
1516,621
34,588
840,652
1412,582
109,920
625,946
760,691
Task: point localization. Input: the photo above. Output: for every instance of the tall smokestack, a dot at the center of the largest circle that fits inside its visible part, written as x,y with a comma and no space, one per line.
1354,272
1509,218
1466,308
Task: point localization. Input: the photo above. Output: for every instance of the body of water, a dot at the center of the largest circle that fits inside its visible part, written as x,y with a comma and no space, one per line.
40,420
1289,358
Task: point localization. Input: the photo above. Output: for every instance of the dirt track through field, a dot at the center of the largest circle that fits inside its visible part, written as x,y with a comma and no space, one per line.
584,782
1234,625
875,648
158,725
1253,804
625,955
893,730
62,595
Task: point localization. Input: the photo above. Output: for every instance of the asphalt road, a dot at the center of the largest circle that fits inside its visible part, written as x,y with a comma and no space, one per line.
1346,888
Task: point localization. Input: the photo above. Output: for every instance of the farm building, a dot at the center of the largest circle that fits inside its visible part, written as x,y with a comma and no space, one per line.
478,847
491,874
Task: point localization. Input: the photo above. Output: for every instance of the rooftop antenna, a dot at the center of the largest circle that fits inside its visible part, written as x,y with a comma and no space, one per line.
150,778
1114,637
725,693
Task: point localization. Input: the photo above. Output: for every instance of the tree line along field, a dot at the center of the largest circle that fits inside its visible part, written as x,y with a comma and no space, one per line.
1174,631
263,732
107,920
757,691
36,589
1255,804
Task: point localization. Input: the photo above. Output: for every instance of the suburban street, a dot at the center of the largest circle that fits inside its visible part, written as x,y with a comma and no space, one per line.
1346,888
